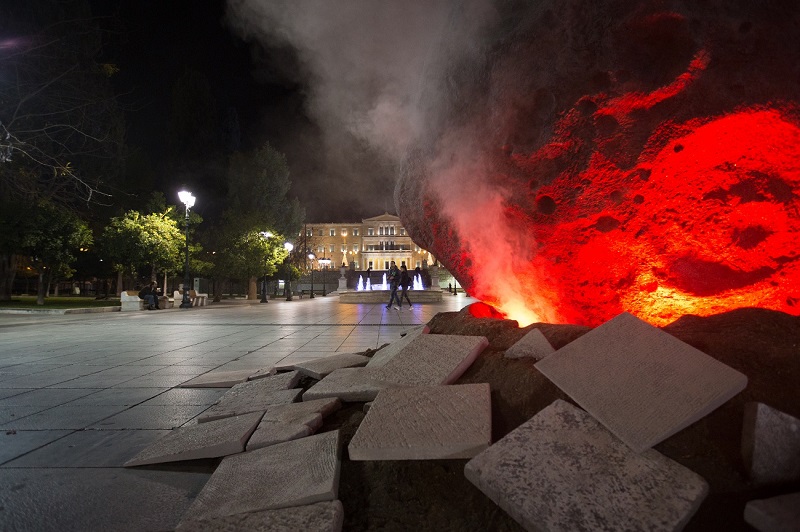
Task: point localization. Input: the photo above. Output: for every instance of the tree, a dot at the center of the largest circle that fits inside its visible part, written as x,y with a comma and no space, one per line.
258,188
151,241
52,243
61,130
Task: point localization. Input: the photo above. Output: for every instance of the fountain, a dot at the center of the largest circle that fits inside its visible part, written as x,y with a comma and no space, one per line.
366,292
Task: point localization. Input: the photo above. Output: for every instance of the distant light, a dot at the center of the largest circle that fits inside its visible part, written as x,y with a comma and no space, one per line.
266,234
289,246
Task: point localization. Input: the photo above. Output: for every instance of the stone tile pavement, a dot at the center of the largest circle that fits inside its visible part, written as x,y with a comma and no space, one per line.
81,394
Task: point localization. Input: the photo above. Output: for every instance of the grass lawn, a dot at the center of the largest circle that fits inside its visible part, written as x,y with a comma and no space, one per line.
24,302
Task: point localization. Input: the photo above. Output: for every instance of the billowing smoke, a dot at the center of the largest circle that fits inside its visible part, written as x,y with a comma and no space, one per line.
374,78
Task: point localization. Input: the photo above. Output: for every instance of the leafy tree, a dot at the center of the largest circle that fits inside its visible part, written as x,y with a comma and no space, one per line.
52,242
258,188
151,241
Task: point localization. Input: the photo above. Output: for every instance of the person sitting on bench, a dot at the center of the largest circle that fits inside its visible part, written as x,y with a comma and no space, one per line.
150,296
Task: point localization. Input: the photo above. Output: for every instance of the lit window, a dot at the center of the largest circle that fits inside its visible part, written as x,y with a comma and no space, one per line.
355,232
333,232
355,264
392,230
344,248
386,265
370,264
319,233
321,249
344,232
332,248
371,231
355,248
419,264
380,230
309,232
402,231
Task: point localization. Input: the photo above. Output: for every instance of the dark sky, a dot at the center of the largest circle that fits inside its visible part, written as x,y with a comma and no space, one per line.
159,39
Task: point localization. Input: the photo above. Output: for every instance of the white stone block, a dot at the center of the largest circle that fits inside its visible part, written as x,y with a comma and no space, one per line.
562,470
294,473
777,514
432,359
319,367
208,440
317,517
425,423
642,383
533,345
386,353
245,403
770,445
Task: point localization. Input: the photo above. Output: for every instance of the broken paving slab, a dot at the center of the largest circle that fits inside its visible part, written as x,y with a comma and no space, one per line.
770,445
219,379
291,413
251,396
245,403
562,470
263,373
642,383
349,384
425,423
533,345
273,432
319,517
209,440
776,514
319,367
432,359
288,474
386,353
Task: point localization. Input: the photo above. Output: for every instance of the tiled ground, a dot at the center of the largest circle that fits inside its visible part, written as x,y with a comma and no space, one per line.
80,394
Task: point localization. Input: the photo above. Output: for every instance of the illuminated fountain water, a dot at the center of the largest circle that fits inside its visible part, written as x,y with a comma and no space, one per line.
362,286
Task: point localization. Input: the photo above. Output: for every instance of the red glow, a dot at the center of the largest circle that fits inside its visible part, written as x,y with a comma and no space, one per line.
705,223
482,310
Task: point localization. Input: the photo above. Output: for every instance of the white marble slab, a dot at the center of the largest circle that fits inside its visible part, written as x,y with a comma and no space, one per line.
219,379
533,345
386,353
274,432
432,359
208,440
776,514
349,384
642,383
317,517
288,474
562,470
251,396
319,367
245,404
770,445
425,423
291,413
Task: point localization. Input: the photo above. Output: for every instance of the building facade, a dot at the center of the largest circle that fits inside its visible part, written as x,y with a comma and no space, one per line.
371,243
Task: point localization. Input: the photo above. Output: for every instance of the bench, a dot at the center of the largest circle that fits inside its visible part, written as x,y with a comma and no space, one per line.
197,299
129,300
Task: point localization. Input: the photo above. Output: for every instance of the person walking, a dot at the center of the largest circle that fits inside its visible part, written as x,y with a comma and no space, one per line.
405,282
394,282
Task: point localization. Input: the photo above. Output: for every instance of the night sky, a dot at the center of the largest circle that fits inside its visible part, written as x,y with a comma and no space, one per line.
158,40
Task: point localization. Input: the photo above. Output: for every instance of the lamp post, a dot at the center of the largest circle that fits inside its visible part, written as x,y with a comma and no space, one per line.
287,287
312,257
265,235
187,199
324,262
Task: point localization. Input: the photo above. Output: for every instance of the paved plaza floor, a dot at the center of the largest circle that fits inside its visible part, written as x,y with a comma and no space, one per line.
80,394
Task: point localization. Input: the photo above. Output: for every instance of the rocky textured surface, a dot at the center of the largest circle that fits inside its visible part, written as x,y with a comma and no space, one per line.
626,155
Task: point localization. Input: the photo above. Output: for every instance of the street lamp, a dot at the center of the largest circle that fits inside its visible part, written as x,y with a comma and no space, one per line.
187,199
265,235
312,257
287,287
324,262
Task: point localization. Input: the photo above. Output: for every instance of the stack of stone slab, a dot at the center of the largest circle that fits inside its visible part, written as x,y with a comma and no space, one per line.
570,469
320,367
426,360
293,484
771,454
227,378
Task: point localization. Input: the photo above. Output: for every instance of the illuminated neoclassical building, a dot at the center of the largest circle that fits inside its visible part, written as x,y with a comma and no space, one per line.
373,242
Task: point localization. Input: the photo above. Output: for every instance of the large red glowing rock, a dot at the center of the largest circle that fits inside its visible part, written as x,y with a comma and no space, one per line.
623,156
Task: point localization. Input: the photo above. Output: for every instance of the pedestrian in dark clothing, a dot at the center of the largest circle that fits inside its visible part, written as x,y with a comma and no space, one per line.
405,282
150,296
394,282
